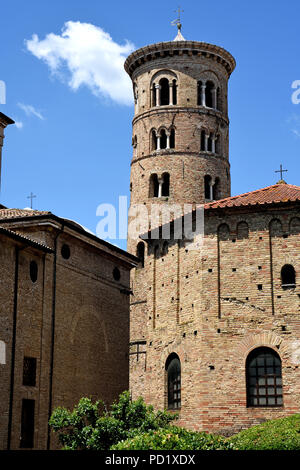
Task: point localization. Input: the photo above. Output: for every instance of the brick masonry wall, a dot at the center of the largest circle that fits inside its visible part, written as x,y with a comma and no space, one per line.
208,310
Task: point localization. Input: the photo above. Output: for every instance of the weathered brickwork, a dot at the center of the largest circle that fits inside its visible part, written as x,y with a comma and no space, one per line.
213,305
74,320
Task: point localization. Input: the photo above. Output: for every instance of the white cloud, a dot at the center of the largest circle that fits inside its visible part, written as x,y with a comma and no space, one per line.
19,124
29,110
88,56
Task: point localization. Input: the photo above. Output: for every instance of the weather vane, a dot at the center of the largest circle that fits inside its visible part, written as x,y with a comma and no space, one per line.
178,19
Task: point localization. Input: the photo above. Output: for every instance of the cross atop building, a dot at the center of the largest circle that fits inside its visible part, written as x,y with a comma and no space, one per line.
281,171
32,196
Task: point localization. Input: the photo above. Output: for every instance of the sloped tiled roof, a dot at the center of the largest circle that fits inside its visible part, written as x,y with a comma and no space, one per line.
280,192
24,239
14,213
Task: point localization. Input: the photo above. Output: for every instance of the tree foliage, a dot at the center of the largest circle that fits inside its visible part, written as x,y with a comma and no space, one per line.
90,426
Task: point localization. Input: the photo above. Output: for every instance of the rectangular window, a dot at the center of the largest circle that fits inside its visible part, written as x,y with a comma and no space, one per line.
29,371
27,424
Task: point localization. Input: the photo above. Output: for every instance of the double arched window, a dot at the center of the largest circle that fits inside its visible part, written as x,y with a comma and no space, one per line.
209,142
164,91
208,94
211,188
264,379
159,186
173,373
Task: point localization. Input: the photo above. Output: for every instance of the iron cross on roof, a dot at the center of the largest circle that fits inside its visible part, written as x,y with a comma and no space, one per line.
178,19
31,197
281,171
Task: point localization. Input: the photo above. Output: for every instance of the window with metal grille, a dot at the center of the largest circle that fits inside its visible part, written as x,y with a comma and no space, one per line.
27,424
264,380
174,382
29,371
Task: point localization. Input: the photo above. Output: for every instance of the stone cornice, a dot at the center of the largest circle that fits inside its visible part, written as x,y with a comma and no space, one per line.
173,109
179,48
168,152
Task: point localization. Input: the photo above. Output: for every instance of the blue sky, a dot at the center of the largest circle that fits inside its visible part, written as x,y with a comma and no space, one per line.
72,146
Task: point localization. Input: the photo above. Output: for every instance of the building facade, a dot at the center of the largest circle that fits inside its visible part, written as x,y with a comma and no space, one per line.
214,322
64,322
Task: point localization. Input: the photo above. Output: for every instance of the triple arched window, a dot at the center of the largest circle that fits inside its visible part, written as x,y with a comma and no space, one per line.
264,378
173,376
164,92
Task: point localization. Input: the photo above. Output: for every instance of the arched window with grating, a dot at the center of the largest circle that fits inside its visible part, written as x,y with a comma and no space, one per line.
288,276
164,91
173,370
153,187
264,379
166,184
140,253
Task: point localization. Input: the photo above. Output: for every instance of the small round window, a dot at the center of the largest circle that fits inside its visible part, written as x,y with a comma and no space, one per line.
65,251
33,271
116,274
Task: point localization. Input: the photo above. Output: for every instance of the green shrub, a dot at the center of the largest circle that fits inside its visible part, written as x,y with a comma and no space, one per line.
277,434
90,426
174,438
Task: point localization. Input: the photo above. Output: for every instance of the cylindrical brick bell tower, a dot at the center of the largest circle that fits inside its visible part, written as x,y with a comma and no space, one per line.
180,124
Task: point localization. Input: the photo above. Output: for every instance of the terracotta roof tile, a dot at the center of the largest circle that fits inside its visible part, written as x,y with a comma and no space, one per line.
280,192
15,213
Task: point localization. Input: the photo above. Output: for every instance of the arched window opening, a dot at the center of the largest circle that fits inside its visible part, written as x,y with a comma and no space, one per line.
295,226
153,95
165,248
217,145
199,93
166,184
140,253
209,143
207,187
203,139
172,138
209,94
216,189
174,91
264,379
242,230
163,139
173,370
276,228
156,251
153,190
153,140
223,232
164,91
288,276
33,270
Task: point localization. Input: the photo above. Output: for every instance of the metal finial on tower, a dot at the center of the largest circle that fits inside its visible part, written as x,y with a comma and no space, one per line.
177,22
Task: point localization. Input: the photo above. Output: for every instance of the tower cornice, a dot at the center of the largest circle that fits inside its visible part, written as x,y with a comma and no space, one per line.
173,48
